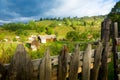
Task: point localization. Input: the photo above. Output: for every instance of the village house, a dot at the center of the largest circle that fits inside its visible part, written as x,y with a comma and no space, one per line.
32,42
46,38
32,37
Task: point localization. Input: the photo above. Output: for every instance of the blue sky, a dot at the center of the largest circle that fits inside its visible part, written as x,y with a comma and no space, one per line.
24,10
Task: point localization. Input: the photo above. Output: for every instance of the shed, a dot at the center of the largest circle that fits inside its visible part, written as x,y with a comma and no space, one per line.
46,38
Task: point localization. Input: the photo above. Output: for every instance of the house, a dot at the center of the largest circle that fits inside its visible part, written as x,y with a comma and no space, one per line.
32,37
34,45
46,38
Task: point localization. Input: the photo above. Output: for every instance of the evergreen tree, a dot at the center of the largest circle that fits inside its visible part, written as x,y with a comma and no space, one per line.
114,15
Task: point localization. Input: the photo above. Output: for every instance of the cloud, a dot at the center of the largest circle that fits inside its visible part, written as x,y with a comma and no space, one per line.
2,21
22,19
24,10
81,8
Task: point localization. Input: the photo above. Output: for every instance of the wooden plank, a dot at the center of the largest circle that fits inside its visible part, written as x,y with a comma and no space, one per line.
42,69
104,65
21,67
115,56
107,30
2,72
97,62
74,64
45,67
86,63
62,64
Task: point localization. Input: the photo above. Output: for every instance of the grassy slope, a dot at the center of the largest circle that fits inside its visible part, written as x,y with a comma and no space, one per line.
60,29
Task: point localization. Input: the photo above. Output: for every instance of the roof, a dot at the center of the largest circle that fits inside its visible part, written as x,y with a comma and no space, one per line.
47,36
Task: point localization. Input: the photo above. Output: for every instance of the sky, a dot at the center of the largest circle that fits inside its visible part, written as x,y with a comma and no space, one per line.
25,10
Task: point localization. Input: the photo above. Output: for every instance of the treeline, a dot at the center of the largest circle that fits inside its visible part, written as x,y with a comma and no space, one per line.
66,21
114,15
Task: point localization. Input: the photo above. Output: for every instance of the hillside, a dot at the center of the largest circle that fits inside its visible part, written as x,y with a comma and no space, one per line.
59,27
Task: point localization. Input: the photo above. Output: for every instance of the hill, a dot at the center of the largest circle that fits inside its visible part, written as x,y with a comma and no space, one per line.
59,27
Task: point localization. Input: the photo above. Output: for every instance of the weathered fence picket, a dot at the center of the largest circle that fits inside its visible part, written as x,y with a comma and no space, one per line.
115,55
86,63
21,67
97,62
74,64
62,64
45,67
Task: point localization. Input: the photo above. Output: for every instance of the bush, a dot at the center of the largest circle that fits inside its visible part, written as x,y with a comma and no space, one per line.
49,31
72,36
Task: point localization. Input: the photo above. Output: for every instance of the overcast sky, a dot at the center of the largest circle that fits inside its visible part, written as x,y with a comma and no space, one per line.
24,10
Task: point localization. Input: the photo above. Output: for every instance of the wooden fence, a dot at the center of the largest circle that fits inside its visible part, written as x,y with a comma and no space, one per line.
62,67
111,30
79,65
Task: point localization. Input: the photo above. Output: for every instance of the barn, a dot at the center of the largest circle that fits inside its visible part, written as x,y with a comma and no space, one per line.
46,38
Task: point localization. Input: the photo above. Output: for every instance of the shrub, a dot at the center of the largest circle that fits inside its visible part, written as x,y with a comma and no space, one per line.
72,36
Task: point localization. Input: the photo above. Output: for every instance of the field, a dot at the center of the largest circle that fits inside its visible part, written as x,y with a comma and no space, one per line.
68,31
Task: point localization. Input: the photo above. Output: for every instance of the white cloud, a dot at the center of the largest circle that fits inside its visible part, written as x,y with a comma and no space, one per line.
3,21
23,19
81,8
18,19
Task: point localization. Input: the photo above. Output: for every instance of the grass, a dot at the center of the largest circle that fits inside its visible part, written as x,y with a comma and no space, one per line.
62,31
111,69
6,52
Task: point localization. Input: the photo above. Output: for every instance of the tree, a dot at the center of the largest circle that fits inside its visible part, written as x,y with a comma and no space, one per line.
40,29
49,31
32,25
41,19
72,36
67,21
114,15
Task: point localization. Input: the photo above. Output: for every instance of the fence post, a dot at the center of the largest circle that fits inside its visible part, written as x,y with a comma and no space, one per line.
105,40
115,56
74,64
45,67
62,64
86,63
21,67
97,62
105,30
